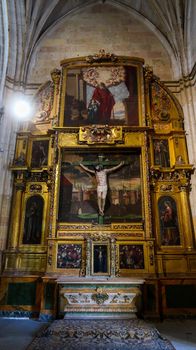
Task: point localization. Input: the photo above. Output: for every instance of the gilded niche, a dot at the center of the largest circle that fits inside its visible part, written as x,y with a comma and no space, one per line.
33,220
168,221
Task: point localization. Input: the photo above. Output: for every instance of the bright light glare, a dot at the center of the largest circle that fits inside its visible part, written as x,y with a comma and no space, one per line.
22,109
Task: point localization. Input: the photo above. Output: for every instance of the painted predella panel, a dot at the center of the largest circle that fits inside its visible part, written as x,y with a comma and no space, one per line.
169,227
33,220
79,189
69,256
101,95
131,256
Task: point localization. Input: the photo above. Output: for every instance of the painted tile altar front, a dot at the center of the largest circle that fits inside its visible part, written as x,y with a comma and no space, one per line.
94,297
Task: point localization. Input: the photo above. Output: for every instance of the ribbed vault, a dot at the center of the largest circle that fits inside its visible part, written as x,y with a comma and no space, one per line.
29,20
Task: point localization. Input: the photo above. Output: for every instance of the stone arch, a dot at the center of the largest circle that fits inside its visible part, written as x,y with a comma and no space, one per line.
130,47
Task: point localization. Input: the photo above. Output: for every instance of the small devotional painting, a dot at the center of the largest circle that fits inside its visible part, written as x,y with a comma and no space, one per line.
161,153
94,184
131,256
69,256
101,95
39,157
169,227
100,259
33,220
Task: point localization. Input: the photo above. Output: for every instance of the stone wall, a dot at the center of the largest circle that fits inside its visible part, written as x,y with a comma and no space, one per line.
95,27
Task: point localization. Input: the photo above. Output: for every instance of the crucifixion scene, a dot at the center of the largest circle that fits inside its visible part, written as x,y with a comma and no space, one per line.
102,186
106,185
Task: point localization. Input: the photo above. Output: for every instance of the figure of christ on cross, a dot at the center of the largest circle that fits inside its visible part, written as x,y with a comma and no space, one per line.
102,186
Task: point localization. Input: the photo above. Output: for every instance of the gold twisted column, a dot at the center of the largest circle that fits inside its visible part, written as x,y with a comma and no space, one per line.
88,257
113,257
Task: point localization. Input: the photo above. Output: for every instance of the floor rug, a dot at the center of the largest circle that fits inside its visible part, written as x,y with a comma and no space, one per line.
100,335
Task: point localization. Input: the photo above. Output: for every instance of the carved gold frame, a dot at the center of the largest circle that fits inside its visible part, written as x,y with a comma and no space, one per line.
21,146
176,147
176,197
104,243
146,251
132,140
28,194
69,271
160,137
137,141
82,62
34,139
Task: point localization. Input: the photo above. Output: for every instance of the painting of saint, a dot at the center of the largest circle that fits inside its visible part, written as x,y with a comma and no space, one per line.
131,256
33,220
20,160
107,185
179,160
39,157
102,95
105,103
168,219
100,256
69,256
161,153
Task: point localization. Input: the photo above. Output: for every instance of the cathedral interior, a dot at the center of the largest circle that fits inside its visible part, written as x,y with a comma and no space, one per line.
97,186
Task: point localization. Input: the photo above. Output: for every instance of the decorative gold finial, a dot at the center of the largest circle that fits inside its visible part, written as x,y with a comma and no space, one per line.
55,74
102,56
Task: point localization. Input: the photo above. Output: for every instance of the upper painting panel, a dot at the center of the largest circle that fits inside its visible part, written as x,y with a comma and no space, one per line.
100,95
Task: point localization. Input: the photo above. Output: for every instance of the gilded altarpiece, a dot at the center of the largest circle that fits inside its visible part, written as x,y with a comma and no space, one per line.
101,191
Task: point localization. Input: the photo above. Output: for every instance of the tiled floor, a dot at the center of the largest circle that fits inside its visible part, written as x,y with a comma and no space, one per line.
182,333
17,334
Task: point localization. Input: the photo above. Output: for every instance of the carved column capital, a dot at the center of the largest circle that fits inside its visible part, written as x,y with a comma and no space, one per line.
20,186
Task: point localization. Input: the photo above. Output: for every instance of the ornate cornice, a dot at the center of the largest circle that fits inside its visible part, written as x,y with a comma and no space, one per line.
101,56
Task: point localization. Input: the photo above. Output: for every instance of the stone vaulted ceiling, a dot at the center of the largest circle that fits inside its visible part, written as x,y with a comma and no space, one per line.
28,21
